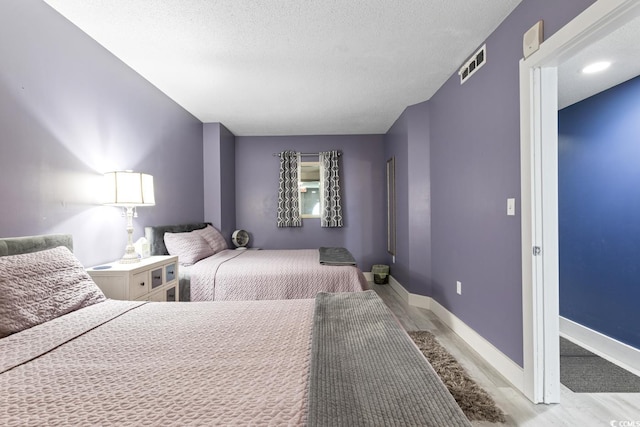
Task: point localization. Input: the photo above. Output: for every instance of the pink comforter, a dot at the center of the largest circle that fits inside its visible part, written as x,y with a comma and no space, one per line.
270,275
114,363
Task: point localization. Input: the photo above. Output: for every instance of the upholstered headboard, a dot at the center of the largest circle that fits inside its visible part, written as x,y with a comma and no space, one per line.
28,244
155,235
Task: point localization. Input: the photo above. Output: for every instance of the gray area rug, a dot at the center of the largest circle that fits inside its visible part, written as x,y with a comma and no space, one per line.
475,402
584,372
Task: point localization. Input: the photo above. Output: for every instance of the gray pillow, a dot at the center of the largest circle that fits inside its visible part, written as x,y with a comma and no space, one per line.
213,238
41,286
190,247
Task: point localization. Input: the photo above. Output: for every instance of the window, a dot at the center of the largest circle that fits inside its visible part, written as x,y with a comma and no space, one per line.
310,190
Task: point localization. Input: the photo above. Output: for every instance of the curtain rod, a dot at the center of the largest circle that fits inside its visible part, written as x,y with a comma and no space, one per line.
307,154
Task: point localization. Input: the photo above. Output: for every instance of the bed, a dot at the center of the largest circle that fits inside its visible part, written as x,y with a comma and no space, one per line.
228,274
338,359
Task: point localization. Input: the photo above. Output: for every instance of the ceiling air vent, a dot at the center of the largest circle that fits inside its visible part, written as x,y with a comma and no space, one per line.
473,64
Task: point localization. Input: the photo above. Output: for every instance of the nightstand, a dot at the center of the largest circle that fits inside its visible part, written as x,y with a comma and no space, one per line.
152,279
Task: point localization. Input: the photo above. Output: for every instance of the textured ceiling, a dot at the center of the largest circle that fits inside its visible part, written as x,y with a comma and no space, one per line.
292,67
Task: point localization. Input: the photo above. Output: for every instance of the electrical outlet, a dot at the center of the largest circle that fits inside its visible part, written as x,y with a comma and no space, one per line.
459,288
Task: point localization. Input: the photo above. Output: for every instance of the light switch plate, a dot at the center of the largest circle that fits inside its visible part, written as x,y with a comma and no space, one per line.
511,207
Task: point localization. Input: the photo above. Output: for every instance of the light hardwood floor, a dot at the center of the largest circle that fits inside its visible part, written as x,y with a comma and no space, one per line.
575,409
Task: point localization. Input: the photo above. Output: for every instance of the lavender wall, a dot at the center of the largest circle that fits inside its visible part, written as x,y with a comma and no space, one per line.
219,178
69,111
408,142
396,143
475,140
363,171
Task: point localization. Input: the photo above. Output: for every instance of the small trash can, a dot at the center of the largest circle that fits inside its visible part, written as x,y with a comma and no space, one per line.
380,274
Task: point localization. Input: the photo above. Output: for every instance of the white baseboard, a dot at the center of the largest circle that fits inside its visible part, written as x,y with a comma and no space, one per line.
604,346
420,301
510,370
368,275
399,288
411,299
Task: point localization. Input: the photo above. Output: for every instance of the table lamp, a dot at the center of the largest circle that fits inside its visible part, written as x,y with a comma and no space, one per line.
128,189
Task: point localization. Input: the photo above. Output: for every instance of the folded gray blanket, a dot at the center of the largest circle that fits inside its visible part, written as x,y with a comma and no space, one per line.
366,371
336,256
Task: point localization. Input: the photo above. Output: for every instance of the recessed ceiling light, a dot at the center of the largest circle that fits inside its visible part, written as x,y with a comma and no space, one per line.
596,67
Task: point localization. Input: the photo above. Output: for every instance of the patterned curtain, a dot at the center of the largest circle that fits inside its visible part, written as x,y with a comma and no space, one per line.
288,203
331,207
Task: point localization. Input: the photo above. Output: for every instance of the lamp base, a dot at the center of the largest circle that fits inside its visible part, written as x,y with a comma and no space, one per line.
130,255
126,259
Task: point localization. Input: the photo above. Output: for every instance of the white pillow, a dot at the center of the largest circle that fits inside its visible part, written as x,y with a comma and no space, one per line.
40,286
189,247
213,237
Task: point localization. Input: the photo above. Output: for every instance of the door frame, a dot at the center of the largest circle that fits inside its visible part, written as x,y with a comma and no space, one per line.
539,189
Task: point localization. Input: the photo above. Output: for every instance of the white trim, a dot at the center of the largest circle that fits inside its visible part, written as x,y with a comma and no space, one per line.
547,207
597,21
527,218
368,275
604,346
399,289
494,357
421,301
540,230
510,370
540,285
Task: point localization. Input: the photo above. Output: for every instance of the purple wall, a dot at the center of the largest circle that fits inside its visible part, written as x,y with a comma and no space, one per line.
396,142
408,142
69,111
598,211
219,178
475,148
363,171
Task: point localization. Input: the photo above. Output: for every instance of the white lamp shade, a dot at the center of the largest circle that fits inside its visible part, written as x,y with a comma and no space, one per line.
127,188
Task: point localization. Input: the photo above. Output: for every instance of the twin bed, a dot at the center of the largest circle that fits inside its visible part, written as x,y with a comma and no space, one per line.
251,274
69,356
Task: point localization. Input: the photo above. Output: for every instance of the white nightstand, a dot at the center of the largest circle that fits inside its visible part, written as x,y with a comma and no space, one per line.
152,279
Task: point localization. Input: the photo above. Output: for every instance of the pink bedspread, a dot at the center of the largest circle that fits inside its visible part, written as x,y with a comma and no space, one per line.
270,275
113,363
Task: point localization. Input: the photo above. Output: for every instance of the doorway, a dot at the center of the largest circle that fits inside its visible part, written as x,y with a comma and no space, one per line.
539,188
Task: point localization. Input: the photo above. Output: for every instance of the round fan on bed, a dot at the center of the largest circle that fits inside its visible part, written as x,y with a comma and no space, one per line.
240,239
